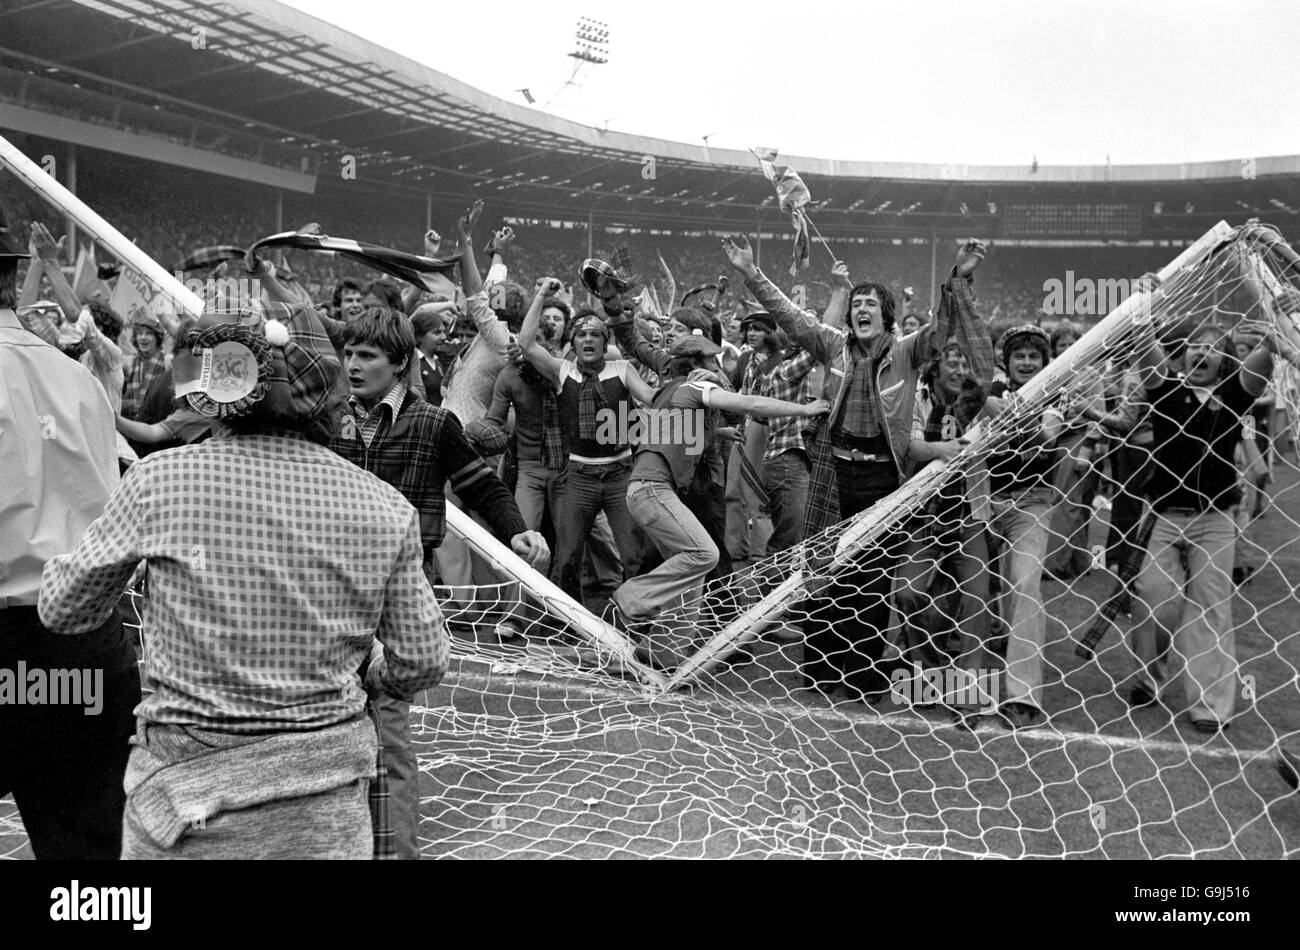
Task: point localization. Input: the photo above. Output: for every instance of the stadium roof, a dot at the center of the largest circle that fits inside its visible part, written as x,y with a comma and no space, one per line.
262,82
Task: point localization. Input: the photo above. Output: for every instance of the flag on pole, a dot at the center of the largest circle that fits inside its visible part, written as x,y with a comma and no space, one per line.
431,273
793,196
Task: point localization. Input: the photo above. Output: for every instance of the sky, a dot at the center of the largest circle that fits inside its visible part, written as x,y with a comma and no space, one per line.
989,82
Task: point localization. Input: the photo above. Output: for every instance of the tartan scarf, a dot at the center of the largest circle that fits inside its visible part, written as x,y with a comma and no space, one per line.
861,416
553,454
591,399
963,408
949,509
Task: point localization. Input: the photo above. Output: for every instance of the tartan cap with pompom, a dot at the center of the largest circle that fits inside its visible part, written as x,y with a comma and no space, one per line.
249,357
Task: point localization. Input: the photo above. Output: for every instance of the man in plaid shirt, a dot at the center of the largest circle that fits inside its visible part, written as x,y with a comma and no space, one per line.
276,569
418,449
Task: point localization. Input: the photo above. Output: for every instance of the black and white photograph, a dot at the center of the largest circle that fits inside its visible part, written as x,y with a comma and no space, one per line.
691,431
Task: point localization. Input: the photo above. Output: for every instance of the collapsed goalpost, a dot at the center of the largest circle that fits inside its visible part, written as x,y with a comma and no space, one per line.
528,750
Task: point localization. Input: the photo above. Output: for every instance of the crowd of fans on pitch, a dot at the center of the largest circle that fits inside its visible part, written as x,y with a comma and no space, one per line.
499,397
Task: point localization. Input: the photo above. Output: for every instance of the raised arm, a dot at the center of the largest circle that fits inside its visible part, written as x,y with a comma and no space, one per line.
822,341
471,281
48,251
956,316
632,344
837,311
32,282
541,358
1257,369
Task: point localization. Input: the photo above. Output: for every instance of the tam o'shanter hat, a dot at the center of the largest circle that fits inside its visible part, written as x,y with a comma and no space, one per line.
610,281
762,318
253,357
694,344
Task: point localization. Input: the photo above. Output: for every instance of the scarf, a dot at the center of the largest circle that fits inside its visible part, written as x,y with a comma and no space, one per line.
861,416
553,453
963,408
591,399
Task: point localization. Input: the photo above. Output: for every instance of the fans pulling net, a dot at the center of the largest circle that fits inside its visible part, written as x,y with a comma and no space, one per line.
993,712
531,748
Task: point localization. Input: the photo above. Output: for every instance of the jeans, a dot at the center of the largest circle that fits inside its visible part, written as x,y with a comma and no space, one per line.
943,586
586,490
785,479
536,489
1068,556
845,624
689,554
1020,523
1131,469
746,522
65,768
394,729
1186,588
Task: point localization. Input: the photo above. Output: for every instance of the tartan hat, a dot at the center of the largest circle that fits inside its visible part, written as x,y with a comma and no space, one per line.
1026,333
252,357
147,321
762,318
696,344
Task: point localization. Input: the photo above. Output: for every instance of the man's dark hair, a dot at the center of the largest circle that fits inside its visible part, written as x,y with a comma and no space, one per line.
389,331
8,283
883,294
387,292
347,283
109,323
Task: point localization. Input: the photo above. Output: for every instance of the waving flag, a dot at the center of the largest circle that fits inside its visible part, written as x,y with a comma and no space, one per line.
86,282
431,273
793,196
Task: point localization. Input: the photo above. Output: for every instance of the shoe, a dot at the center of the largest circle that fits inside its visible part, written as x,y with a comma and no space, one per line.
1141,695
1287,763
1209,727
971,722
1021,715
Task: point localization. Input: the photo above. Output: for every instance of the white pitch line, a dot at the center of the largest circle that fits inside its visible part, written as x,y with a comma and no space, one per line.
795,710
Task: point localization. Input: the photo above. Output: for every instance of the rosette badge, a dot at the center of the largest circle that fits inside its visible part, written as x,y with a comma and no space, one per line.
229,364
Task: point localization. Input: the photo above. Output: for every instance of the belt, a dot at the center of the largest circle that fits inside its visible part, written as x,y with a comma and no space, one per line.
1185,512
853,455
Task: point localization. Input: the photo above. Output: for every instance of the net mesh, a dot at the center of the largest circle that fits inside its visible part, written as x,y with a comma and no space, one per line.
856,695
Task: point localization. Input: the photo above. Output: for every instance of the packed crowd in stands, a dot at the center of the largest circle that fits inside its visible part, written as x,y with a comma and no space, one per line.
629,444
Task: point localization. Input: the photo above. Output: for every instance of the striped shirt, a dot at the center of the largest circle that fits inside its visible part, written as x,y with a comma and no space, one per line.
273,566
